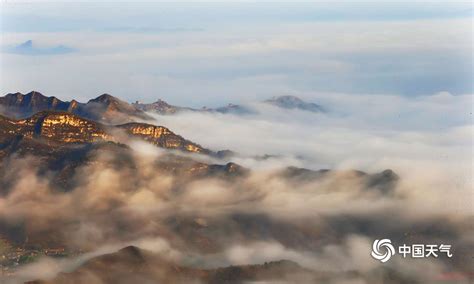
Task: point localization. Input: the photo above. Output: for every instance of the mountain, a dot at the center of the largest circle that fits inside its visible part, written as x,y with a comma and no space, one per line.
28,48
161,107
24,47
62,139
105,108
292,102
231,108
62,127
134,265
286,102
64,142
19,105
63,149
110,109
162,137
384,182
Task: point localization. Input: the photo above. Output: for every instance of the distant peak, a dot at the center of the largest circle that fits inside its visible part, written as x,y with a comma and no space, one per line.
131,250
31,93
35,94
286,98
26,44
160,101
104,98
293,102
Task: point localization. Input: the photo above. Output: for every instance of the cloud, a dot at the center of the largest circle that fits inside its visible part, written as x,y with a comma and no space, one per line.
359,131
326,223
212,67
47,268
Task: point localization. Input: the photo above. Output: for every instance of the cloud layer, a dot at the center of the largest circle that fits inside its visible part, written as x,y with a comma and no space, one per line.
318,223
209,65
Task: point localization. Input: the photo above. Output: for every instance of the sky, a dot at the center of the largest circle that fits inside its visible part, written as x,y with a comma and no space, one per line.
208,54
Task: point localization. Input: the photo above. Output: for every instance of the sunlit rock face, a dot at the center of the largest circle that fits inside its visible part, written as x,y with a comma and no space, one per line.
63,142
63,127
162,136
7,127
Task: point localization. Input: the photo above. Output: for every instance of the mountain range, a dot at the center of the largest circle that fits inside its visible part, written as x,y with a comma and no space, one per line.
67,135
105,108
134,265
29,48
285,102
64,142
292,102
56,128
111,110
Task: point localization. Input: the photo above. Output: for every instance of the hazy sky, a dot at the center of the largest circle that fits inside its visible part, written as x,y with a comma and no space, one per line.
209,53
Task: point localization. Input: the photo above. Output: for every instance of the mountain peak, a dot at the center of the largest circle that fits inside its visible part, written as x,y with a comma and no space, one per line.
35,94
105,98
29,94
286,98
162,103
26,44
19,105
293,102
28,48
105,108
132,251
160,106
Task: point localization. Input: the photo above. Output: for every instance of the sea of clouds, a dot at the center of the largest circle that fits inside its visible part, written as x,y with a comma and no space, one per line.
326,224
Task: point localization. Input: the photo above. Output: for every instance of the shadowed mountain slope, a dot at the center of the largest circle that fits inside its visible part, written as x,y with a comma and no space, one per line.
105,108
63,142
292,102
134,265
285,102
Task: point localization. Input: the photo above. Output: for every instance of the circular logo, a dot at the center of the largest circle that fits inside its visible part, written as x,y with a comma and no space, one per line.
382,250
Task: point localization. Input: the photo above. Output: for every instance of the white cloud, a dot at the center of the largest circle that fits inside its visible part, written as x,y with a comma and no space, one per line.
215,66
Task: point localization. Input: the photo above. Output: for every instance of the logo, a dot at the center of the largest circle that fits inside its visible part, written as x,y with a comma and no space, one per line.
382,250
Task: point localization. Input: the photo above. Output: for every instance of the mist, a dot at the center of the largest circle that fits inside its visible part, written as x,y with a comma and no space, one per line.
325,224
